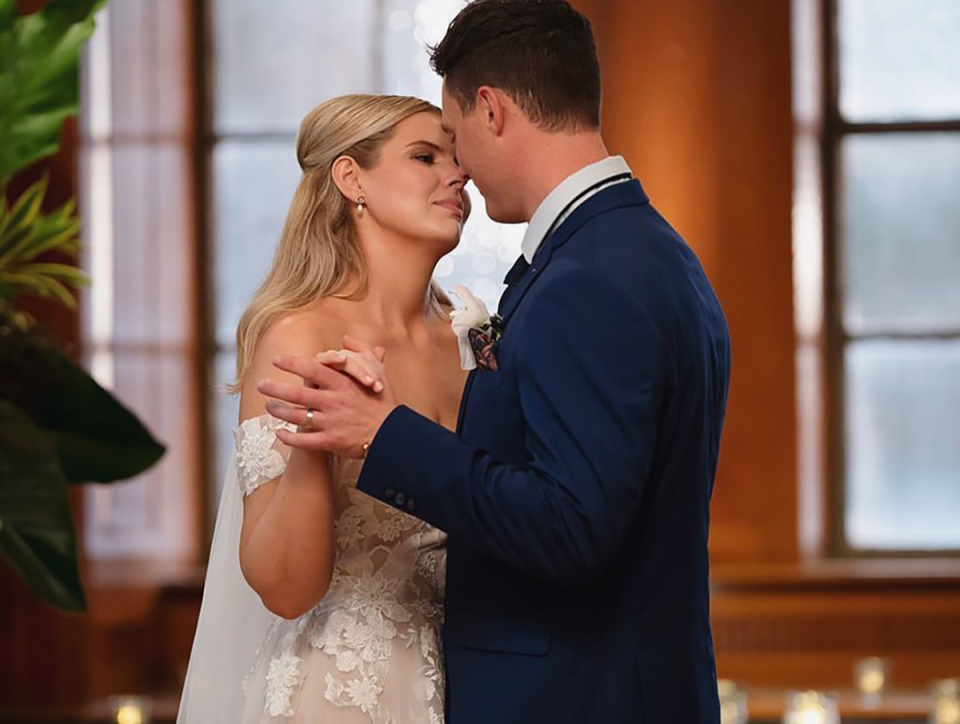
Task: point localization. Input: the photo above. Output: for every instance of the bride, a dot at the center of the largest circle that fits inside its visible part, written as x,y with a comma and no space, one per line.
322,604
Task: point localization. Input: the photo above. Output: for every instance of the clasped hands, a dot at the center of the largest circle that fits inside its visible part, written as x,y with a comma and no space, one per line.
344,399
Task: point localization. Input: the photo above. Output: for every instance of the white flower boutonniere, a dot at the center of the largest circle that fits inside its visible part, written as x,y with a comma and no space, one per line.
477,330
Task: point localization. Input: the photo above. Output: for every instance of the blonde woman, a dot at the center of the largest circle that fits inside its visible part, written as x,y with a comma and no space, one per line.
322,604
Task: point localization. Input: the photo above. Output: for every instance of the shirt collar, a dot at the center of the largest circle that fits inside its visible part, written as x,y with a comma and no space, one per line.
564,196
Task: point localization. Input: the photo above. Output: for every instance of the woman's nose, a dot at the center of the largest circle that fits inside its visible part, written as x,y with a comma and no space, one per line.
458,179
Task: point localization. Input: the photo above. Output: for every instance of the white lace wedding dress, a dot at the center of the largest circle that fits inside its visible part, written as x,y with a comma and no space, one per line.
368,652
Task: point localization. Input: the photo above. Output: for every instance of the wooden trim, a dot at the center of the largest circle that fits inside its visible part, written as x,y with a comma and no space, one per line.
199,12
900,336
902,574
211,137
847,127
833,421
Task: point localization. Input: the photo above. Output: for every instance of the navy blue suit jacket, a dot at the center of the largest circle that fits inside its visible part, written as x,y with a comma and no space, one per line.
576,490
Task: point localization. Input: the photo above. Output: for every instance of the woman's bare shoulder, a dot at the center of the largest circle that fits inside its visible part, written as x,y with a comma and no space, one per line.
314,328
303,332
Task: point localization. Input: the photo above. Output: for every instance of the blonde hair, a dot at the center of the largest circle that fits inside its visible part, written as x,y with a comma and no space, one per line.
318,252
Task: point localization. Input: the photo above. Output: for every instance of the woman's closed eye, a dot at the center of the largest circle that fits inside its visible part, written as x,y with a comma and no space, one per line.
426,158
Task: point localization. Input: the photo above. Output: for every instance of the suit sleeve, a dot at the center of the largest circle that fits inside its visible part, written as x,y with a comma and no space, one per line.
590,372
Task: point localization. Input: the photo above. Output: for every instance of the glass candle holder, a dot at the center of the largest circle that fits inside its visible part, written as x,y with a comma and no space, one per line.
946,702
811,707
871,676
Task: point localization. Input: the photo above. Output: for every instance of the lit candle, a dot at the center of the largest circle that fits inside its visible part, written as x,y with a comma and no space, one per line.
871,675
130,710
811,707
733,703
129,714
946,702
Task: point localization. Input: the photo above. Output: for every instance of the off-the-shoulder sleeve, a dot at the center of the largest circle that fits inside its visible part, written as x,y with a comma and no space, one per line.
261,457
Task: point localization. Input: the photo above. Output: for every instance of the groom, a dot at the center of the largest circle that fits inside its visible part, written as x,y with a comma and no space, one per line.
577,487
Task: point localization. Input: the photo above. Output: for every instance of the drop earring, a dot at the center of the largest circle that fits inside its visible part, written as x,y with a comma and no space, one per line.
360,204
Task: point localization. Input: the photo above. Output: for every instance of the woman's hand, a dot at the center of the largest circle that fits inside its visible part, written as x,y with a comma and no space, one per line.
358,360
332,411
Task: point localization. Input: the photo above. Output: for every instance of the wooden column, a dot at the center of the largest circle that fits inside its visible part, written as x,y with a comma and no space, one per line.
697,97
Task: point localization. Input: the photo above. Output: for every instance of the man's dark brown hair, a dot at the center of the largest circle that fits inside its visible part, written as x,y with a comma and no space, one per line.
540,52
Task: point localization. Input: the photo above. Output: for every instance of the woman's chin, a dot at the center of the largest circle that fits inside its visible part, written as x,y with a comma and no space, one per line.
447,244
448,234
450,243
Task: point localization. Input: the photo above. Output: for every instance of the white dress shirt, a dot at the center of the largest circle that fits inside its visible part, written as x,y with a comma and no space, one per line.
568,196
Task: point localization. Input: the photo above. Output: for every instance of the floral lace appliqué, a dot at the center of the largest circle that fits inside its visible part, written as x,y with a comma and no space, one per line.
258,458
282,678
377,628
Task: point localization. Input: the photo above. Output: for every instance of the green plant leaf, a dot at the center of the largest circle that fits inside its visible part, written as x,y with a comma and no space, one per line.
25,234
13,280
26,209
12,242
54,235
57,290
57,271
39,61
97,438
43,286
37,535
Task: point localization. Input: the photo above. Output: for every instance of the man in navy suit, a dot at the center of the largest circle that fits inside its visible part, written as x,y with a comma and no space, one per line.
576,490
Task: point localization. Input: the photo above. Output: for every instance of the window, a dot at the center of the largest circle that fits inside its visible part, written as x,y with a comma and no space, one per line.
138,320
892,211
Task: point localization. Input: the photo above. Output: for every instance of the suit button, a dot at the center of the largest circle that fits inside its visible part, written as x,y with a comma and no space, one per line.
389,493
400,499
411,505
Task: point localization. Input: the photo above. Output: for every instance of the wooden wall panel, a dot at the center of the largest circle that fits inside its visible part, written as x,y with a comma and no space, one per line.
697,97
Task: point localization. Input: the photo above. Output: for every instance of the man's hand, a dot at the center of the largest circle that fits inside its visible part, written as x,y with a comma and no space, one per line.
346,416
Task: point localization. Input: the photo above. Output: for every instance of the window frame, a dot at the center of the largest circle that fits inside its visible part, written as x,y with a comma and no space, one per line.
834,130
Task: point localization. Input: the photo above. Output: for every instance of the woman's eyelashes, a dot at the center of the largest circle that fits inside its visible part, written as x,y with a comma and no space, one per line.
431,157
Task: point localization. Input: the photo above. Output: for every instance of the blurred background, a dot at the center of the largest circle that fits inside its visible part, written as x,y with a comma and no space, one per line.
809,152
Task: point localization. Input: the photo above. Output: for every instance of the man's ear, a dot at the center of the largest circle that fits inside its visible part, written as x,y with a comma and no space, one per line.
346,175
491,102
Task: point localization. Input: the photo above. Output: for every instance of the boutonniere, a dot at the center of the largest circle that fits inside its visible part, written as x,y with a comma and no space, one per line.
477,330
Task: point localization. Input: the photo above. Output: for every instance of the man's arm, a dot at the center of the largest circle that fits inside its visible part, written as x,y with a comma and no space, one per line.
591,378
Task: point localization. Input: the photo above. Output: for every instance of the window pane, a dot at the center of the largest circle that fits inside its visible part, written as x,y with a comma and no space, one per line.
146,237
901,232
899,60
274,61
253,188
903,445
146,93
155,514
410,26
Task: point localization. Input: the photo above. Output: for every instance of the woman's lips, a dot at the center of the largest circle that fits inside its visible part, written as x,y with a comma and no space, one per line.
453,206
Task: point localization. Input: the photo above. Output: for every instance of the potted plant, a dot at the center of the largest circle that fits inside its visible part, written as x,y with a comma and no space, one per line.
58,427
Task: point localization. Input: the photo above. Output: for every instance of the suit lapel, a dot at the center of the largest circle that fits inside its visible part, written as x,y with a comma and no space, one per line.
625,194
